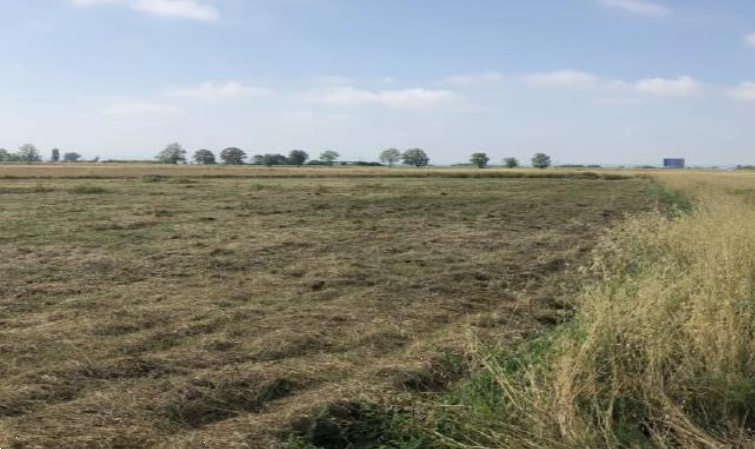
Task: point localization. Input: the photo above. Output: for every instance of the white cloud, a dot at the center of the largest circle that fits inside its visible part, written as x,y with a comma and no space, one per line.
470,79
563,78
744,92
185,9
141,108
682,86
640,7
677,87
350,96
215,91
750,39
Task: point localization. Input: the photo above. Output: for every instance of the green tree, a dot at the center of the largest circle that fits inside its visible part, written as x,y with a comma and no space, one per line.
55,155
541,160
204,157
511,162
270,159
329,157
172,154
71,157
5,155
28,153
297,157
390,156
479,159
233,156
416,157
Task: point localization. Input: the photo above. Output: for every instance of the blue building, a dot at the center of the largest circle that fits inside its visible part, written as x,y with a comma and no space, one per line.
674,163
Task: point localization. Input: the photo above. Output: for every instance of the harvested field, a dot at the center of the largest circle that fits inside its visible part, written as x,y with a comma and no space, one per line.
126,171
198,312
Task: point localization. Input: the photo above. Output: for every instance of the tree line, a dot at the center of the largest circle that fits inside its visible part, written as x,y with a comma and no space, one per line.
176,154
417,157
29,153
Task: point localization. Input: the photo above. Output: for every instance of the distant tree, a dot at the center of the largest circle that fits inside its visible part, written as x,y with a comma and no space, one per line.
5,155
416,157
297,157
479,159
329,157
390,156
511,162
96,159
233,156
55,155
71,157
28,153
258,159
172,154
270,159
204,157
541,160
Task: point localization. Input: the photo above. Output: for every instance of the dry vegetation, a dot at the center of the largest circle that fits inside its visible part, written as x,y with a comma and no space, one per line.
659,354
125,171
179,312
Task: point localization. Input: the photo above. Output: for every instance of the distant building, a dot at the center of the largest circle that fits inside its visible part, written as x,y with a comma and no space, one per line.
674,163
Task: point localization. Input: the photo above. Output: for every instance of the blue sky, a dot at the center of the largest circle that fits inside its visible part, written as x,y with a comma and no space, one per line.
587,81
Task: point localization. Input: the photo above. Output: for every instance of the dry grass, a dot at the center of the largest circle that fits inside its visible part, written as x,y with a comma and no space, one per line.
125,171
659,355
217,312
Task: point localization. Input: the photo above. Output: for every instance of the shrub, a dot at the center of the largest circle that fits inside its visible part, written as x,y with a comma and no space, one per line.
511,162
71,157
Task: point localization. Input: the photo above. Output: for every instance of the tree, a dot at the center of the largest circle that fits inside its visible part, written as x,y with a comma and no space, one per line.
28,153
5,155
329,157
204,157
172,154
541,160
258,159
270,159
479,159
390,156
416,157
297,157
55,155
511,162
71,157
233,156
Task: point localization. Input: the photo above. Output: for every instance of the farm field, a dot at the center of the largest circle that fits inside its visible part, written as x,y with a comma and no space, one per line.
127,171
190,312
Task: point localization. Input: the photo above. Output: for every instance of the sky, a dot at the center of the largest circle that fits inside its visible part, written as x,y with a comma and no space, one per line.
586,81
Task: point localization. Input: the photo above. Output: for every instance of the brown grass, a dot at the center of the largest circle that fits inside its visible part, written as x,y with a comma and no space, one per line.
126,171
215,313
659,354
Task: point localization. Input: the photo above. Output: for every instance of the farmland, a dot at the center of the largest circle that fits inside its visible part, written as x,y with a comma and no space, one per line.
145,309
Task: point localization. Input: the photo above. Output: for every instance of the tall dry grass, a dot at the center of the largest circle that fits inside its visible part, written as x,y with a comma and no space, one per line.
660,353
